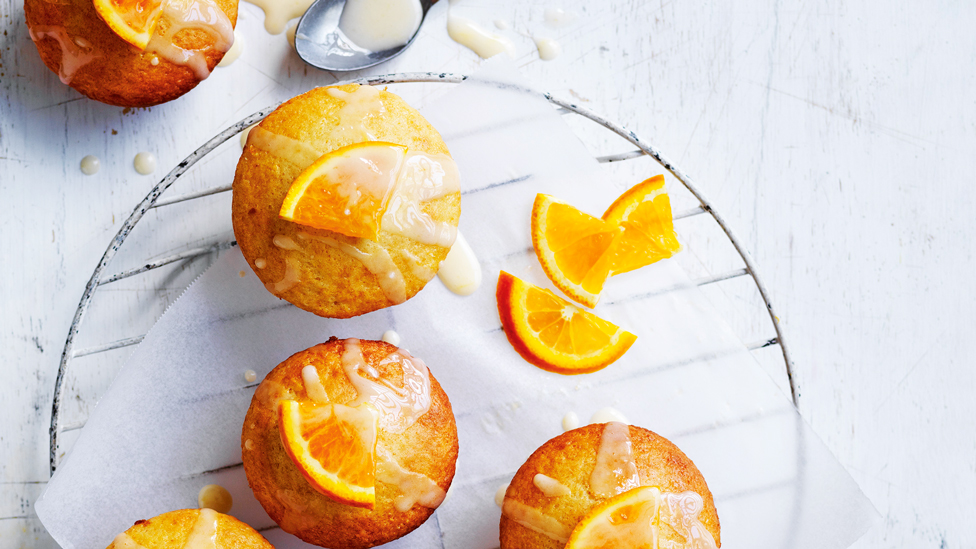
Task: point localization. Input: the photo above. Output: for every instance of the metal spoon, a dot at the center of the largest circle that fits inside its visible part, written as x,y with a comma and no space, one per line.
320,43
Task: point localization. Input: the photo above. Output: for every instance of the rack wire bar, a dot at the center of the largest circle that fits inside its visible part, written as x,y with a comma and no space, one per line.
152,200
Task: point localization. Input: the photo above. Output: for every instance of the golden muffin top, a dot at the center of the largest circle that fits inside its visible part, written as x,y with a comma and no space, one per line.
326,272
574,472
416,443
77,44
190,529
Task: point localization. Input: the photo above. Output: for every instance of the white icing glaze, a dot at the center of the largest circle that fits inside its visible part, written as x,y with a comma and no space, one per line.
284,242
398,408
75,53
235,50
681,512
460,271
90,165
375,259
391,337
535,520
470,35
250,376
418,269
608,414
422,178
501,24
548,48
216,497
277,13
558,17
290,278
549,486
500,494
144,163
248,444
378,25
313,385
570,421
204,533
201,15
359,107
283,147
415,488
615,471
260,263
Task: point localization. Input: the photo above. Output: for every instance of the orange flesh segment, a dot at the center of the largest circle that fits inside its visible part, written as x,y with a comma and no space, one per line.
554,334
626,520
132,20
644,212
347,190
334,447
570,245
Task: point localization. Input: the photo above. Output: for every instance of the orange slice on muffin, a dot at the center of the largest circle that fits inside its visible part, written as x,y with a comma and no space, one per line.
554,334
626,520
578,252
334,447
132,20
347,190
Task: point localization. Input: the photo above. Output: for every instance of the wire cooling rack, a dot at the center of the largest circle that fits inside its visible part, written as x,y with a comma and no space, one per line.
101,277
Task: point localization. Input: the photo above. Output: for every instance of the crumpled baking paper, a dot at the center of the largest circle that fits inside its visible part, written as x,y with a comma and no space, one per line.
171,421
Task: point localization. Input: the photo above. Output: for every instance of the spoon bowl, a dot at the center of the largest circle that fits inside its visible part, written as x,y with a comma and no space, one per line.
321,43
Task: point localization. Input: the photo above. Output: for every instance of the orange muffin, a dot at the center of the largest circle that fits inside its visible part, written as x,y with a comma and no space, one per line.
177,530
570,475
329,272
408,464
77,44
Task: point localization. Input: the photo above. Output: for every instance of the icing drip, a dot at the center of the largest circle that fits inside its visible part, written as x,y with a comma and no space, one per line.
284,242
290,279
422,178
286,148
204,533
549,486
399,408
681,512
376,260
415,488
615,471
123,541
180,15
75,53
313,385
277,13
535,520
359,107
419,270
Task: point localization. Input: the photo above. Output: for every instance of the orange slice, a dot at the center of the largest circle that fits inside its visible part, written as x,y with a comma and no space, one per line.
133,20
648,234
347,190
554,334
334,447
569,245
626,520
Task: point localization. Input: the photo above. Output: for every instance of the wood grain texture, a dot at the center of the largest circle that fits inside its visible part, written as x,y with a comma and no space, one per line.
836,137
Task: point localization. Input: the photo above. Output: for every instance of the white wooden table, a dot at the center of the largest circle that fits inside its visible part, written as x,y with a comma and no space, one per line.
837,138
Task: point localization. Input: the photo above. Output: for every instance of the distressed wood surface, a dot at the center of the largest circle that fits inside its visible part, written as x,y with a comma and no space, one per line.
837,138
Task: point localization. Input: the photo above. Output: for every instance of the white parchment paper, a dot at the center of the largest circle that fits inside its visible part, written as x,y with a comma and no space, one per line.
171,421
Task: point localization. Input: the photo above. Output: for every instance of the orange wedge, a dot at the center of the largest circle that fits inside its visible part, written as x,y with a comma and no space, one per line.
347,190
570,245
133,20
626,520
578,252
334,447
644,213
554,334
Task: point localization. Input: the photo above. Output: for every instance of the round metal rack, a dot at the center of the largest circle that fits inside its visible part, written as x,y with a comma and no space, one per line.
102,276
